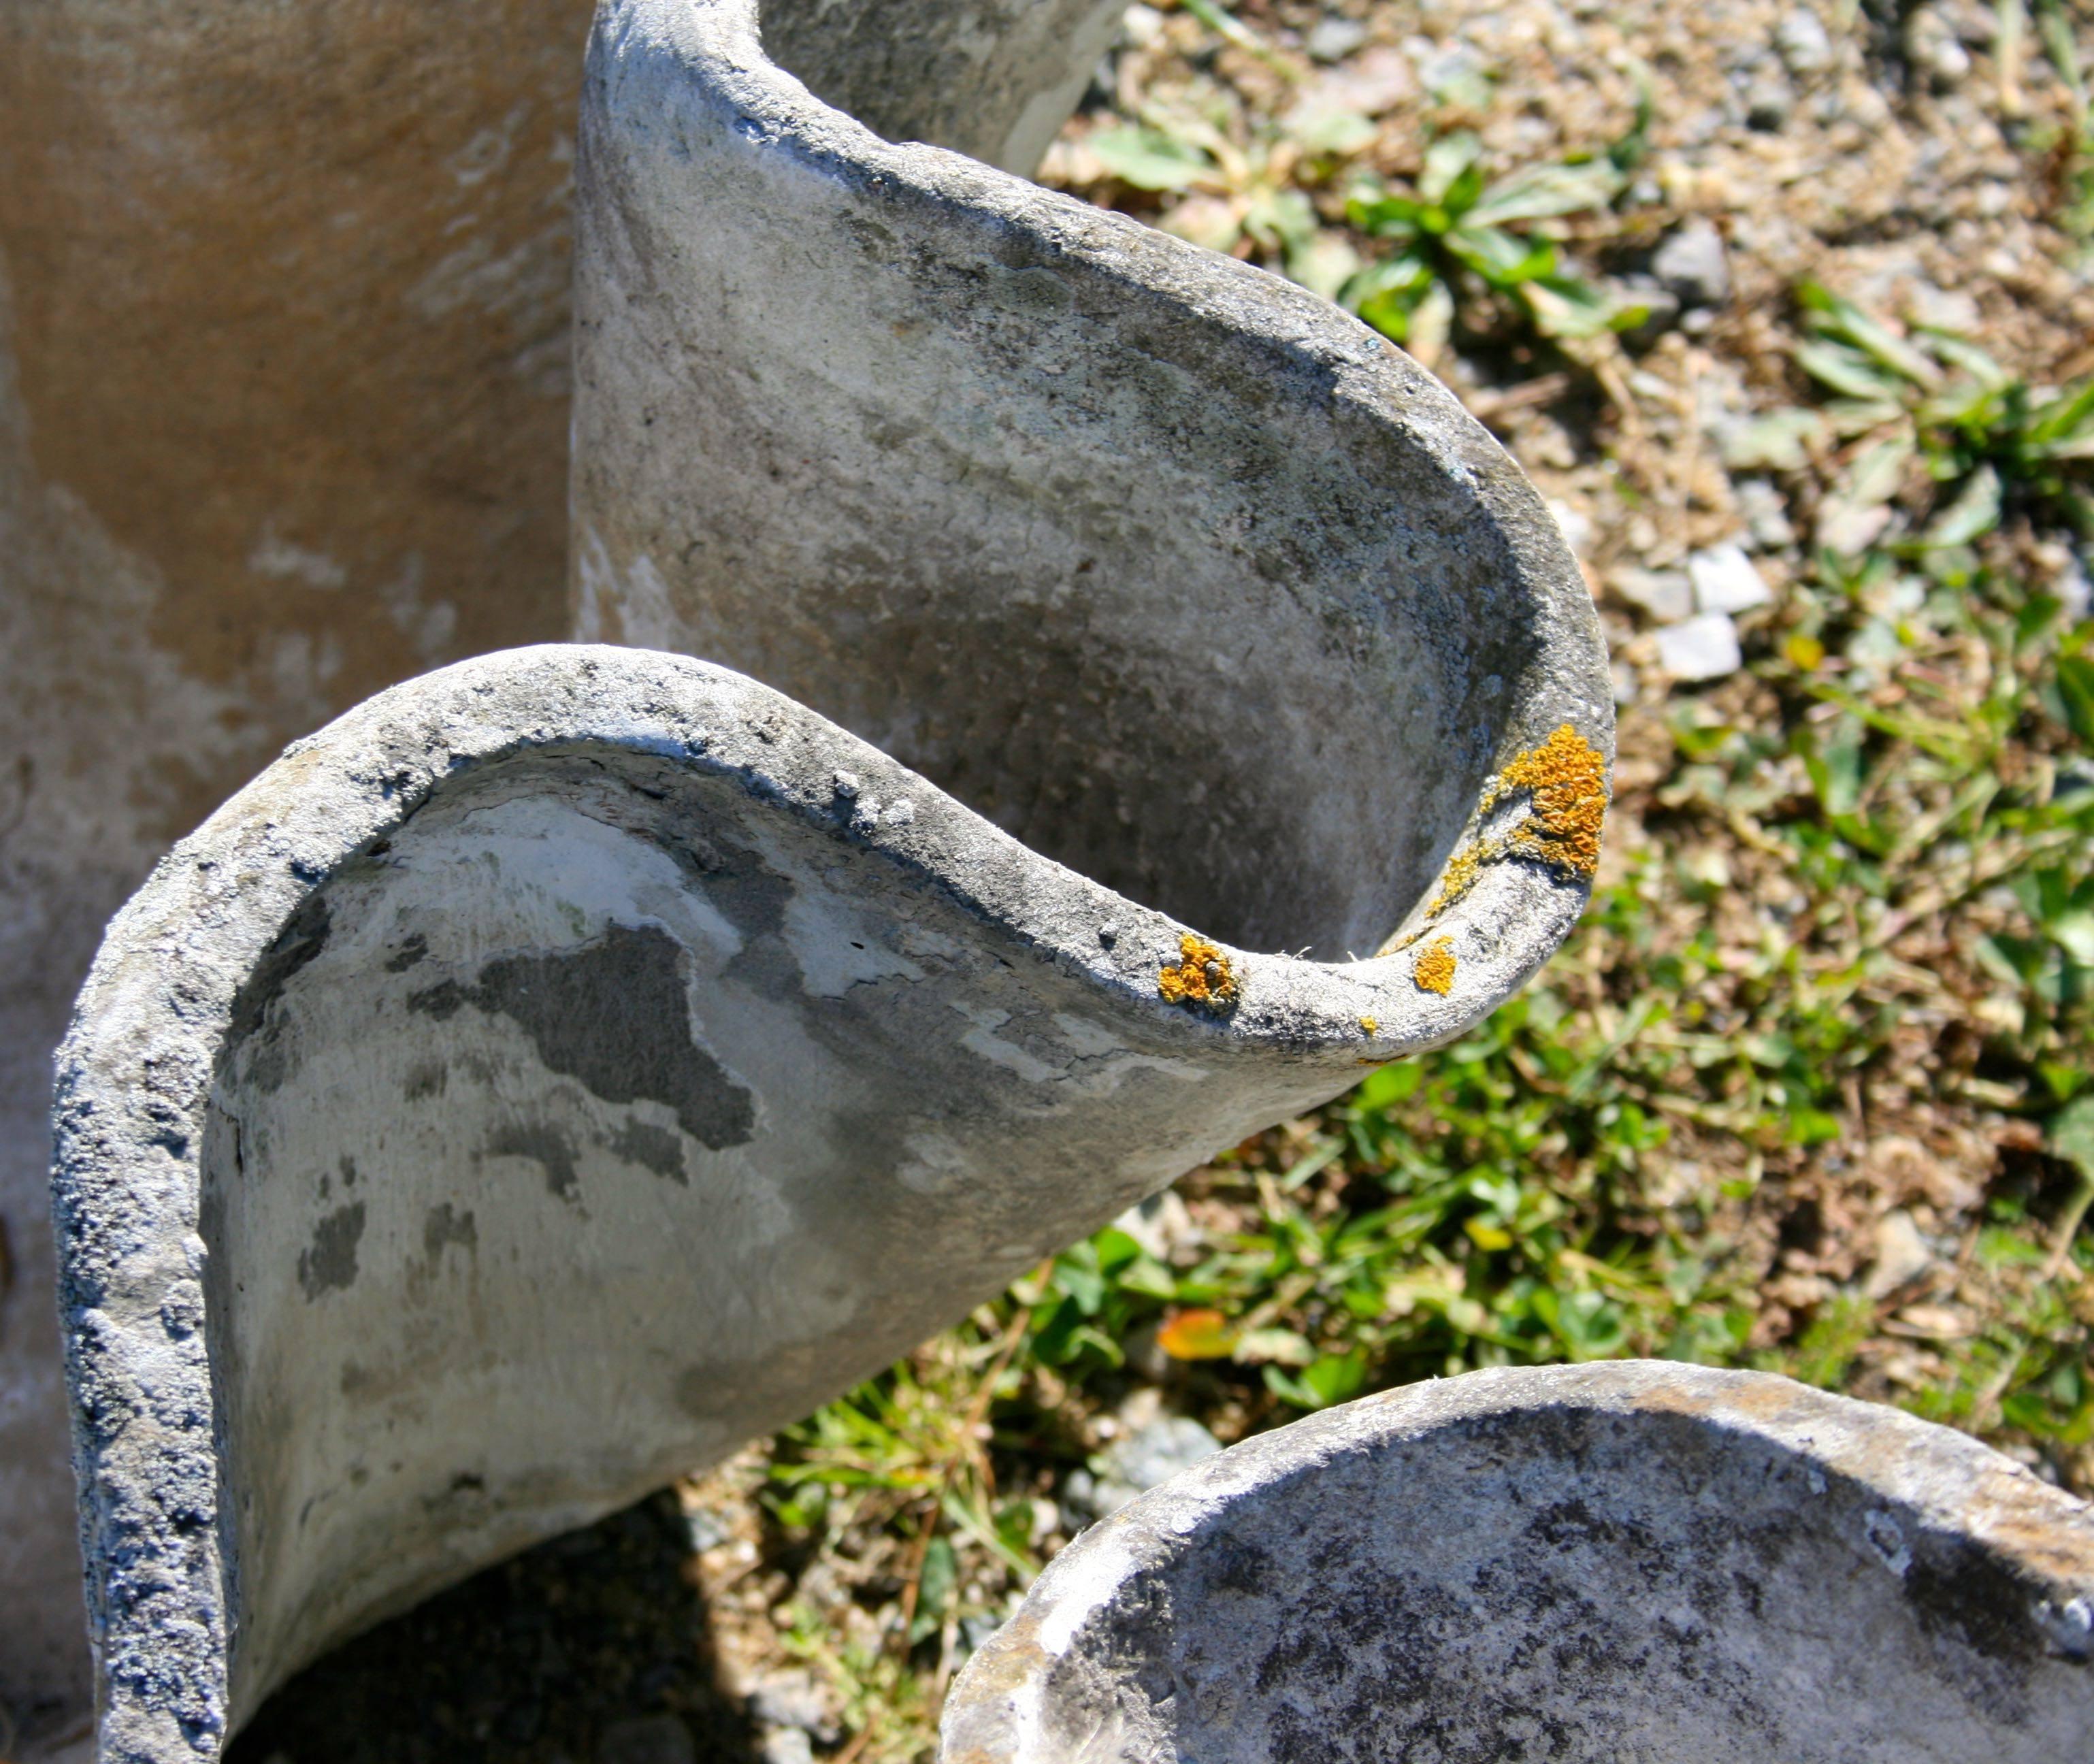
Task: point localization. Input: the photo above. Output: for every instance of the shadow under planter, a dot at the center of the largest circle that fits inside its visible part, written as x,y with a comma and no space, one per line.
593,1649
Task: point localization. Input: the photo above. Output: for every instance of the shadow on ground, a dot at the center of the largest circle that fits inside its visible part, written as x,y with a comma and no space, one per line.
593,1649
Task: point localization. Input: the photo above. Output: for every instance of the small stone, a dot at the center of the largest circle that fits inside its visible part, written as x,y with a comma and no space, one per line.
1666,596
1334,39
1901,1255
1765,512
1692,265
648,1740
1702,647
785,1745
1930,45
1725,580
1769,101
706,1530
793,1700
1575,527
1152,1453
1802,43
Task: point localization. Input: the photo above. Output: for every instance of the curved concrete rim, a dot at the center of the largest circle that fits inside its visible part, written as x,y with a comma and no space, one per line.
159,1012
1097,1616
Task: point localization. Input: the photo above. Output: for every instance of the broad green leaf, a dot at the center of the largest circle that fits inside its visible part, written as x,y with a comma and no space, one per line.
1503,259
2071,1134
1541,191
2067,418
1387,217
1846,369
1975,511
1563,306
1330,131
1323,264
1148,158
1843,319
2075,688
1445,161
1878,472
1281,218
1778,441
1960,352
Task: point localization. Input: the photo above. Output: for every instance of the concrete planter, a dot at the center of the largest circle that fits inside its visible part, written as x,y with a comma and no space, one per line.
1636,1562
1121,556
566,1066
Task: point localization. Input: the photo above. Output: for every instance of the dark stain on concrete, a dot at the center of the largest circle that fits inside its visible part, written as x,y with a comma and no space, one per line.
303,938
444,1225
612,1014
329,1264
426,1078
658,1149
546,1147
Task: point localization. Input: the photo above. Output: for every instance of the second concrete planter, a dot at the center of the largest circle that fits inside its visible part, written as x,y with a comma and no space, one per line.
1636,1563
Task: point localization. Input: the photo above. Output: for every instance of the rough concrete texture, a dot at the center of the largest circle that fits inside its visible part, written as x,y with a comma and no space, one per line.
283,363
1131,547
1634,1563
563,1067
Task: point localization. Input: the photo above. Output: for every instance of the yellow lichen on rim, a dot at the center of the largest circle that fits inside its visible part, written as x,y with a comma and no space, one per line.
1201,976
1565,782
1566,779
1433,971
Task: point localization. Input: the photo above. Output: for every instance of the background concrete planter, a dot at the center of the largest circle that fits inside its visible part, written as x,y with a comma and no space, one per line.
1639,1560
565,1067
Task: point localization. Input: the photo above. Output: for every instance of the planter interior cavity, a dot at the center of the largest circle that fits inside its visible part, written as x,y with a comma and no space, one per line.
1640,1561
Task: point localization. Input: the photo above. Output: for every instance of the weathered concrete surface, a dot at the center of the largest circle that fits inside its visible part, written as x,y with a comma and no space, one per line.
1054,508
283,356
283,325
565,1067
1637,1563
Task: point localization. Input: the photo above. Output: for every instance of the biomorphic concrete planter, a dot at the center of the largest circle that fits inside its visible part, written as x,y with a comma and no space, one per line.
1638,1561
576,1061
1163,569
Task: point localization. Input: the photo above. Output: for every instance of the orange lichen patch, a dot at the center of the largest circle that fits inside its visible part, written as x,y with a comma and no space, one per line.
1433,971
1456,879
1566,778
1200,975
1370,1026
1566,781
